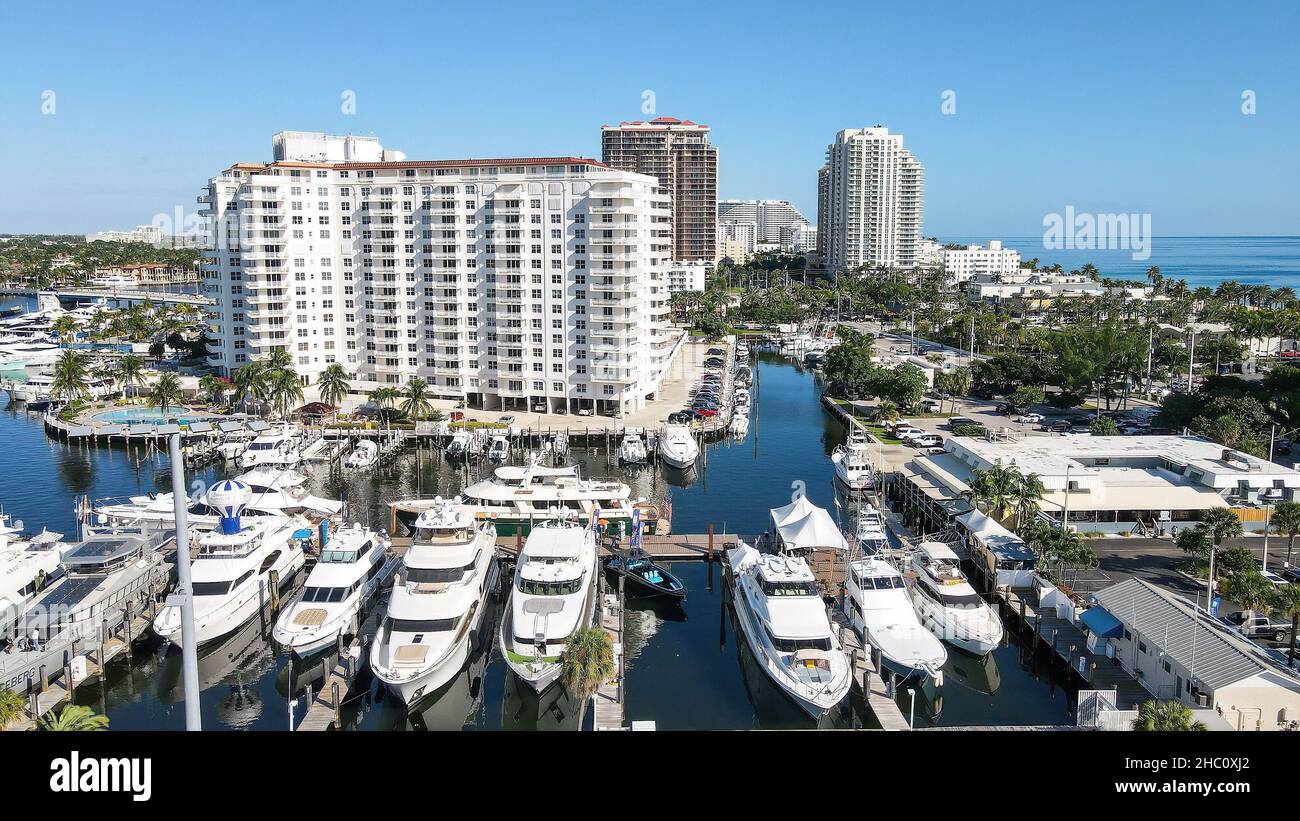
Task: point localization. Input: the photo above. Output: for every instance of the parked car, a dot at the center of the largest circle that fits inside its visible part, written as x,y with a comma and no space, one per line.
539,408
904,432
585,411
928,440
507,420
958,421
1291,574
1274,579
716,352
1061,426
935,451
1030,418
713,362
1259,626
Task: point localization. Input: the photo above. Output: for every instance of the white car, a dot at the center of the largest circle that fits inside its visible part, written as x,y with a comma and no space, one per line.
1030,418
907,434
585,412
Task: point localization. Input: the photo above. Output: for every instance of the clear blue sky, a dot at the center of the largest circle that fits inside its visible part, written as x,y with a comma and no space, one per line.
1111,106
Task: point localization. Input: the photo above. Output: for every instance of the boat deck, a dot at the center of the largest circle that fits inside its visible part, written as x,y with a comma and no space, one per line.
325,704
609,698
675,547
865,675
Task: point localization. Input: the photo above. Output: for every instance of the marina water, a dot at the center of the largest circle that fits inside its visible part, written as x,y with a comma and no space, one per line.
685,668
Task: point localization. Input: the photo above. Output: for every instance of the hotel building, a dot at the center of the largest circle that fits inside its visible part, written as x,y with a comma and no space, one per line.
873,202
677,153
509,283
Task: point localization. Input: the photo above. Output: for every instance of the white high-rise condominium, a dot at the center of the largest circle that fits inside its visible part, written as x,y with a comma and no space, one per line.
774,218
510,283
874,201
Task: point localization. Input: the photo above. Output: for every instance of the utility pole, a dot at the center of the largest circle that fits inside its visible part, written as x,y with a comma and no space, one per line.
1191,357
1151,350
184,595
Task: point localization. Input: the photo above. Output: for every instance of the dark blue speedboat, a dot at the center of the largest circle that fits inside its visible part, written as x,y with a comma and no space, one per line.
650,578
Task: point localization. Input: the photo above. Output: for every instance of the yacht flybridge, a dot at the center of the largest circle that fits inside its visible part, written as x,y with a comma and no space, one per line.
870,534
516,499
880,609
278,447
27,566
553,595
239,567
853,462
353,565
947,604
677,446
273,492
786,626
439,597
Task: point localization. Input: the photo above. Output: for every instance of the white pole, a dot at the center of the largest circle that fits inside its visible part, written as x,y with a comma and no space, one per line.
184,591
911,716
1268,515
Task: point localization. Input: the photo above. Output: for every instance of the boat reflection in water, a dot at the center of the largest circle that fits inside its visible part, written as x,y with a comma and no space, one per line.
232,665
523,708
979,673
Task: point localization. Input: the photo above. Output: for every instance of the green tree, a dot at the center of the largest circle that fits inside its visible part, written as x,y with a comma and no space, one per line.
11,707
252,384
285,390
213,389
1103,426
66,329
1165,717
166,392
586,663
130,373
1286,519
1249,589
1023,397
415,400
333,385
71,376
1219,523
73,718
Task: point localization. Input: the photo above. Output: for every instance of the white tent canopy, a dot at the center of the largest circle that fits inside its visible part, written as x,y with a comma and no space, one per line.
801,525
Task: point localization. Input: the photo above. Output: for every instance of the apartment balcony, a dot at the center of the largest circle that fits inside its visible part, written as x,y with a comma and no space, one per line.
611,301
611,374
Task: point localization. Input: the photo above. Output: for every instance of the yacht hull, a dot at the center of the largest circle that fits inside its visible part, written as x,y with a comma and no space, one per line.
230,616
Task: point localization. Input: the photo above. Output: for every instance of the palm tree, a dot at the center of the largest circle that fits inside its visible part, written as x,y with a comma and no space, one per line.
66,327
1165,716
1219,523
213,389
1286,601
887,411
73,718
285,390
1027,493
383,398
994,490
278,360
416,401
1250,589
333,385
70,376
586,663
166,393
11,707
130,372
1286,518
252,383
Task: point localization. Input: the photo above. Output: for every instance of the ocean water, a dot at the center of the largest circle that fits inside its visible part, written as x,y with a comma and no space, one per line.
1272,261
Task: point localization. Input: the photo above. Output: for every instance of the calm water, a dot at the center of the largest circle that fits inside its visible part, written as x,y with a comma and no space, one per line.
685,667
1272,261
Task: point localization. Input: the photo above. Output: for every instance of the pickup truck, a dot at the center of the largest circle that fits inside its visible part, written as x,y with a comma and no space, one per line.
1259,626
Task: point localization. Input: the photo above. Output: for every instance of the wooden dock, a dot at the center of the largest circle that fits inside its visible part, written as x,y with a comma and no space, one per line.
865,675
326,704
608,700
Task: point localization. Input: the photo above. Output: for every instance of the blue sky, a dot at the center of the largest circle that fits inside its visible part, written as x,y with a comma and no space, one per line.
1108,107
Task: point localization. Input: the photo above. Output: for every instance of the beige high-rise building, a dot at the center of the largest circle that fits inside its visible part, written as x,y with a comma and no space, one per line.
678,154
874,201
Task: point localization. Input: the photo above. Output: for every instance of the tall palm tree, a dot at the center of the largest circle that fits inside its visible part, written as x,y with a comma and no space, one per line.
416,400
66,327
1165,716
1286,518
1287,602
994,490
383,398
130,373
70,376
1249,589
1219,523
278,359
166,393
1026,495
285,390
73,718
333,385
586,663
252,383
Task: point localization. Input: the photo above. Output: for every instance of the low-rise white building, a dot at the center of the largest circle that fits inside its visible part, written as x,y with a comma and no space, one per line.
801,239
1104,484
994,261
1179,652
1037,289
687,276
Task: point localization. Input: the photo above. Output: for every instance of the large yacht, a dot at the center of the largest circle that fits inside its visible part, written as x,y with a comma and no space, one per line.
853,462
27,566
439,598
38,388
677,446
516,499
278,447
553,595
239,567
870,534
273,492
353,565
880,609
785,624
947,604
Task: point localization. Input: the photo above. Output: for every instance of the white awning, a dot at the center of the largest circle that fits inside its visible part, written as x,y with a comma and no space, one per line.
816,530
797,509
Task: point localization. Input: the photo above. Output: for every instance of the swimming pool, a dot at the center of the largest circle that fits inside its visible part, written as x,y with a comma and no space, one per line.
146,414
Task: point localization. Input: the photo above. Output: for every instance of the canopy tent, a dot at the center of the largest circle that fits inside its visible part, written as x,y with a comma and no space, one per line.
801,525
1101,623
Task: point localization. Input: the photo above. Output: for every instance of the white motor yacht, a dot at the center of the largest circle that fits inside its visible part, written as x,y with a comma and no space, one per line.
880,609
677,446
947,604
363,456
853,462
499,450
631,450
278,447
354,564
786,626
274,492
239,567
553,595
870,535
27,566
439,598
